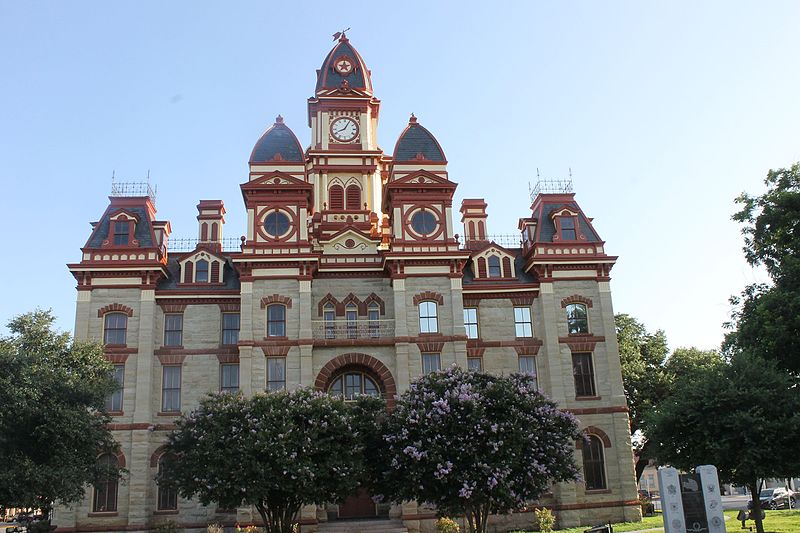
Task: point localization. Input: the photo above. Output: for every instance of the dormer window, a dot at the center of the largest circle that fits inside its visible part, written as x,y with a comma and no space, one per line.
568,228
201,271
495,271
121,232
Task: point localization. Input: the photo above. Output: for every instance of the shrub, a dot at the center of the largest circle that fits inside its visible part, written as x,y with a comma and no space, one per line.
170,526
545,520
215,528
447,525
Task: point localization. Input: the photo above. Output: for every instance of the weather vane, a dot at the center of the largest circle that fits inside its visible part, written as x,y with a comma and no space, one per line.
340,34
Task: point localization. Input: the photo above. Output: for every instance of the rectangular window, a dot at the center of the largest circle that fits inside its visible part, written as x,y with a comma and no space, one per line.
276,320
351,314
471,322
115,328
121,230
230,328
567,228
475,364
431,362
428,317
583,372
201,271
373,315
114,402
527,365
229,378
171,389
167,495
329,315
522,322
173,330
276,373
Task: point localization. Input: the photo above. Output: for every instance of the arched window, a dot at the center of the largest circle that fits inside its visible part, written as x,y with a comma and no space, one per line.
494,267
201,271
351,384
329,316
115,328
105,492
577,319
276,320
374,315
353,197
428,317
594,470
336,197
167,494
351,314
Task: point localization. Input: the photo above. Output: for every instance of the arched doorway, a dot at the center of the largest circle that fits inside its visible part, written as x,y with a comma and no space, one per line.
346,376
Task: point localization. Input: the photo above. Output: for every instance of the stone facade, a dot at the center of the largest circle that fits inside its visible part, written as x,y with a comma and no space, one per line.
350,265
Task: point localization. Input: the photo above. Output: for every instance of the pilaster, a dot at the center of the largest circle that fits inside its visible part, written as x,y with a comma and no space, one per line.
82,314
145,373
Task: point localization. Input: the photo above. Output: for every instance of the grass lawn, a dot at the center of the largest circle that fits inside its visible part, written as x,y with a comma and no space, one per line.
775,522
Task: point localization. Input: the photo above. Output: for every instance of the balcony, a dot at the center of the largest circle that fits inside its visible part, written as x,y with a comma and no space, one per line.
352,329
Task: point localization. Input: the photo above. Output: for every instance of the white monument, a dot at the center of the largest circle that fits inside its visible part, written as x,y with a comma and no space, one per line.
691,503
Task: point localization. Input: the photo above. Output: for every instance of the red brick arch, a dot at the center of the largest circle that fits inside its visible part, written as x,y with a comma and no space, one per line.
428,295
358,359
119,455
156,456
595,432
576,299
114,308
276,299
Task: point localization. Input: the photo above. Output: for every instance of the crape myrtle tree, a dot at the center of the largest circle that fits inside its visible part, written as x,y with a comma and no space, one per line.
275,451
52,419
475,444
742,415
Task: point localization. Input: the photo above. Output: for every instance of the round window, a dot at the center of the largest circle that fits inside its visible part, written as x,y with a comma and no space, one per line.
423,222
276,224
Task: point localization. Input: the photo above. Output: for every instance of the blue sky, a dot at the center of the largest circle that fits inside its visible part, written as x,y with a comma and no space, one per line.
665,111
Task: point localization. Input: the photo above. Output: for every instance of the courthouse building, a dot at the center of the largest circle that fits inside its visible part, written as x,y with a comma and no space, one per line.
354,276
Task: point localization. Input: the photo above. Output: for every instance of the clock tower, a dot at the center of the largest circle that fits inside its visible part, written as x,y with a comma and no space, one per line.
344,161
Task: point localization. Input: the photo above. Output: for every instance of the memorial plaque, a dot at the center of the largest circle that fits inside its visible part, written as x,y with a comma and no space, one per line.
694,506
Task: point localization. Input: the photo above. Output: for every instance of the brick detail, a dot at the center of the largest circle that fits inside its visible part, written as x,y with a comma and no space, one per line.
428,346
576,299
428,295
527,350
596,432
156,456
276,299
228,358
117,358
376,299
522,300
585,343
475,352
171,359
114,308
328,298
229,307
275,351
172,307
379,370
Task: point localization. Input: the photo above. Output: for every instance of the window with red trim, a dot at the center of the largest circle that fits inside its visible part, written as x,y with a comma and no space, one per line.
121,232
568,229
336,197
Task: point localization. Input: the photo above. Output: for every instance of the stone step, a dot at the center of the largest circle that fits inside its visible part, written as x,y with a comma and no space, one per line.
362,526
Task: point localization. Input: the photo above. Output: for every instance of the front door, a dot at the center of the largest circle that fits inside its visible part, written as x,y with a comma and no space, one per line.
360,505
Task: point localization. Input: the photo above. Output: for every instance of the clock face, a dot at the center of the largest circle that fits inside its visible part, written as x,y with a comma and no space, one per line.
343,65
344,129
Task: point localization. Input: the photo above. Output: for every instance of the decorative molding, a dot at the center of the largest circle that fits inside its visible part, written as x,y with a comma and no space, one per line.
275,350
171,307
576,299
228,358
229,307
114,308
475,351
584,343
595,432
171,359
522,300
155,457
598,410
428,295
276,299
430,346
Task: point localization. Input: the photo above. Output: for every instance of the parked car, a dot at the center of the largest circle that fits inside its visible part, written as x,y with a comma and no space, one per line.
776,498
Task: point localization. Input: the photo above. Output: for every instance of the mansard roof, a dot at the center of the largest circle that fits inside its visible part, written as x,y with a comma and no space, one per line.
417,143
278,143
329,78
546,228
142,232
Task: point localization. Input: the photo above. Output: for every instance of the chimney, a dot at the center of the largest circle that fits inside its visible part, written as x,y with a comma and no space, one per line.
473,216
210,219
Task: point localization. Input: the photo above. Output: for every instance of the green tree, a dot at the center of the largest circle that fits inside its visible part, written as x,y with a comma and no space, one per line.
766,320
743,416
476,444
52,420
276,451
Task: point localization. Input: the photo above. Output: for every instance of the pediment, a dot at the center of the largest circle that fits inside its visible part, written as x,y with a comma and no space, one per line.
350,241
564,210
275,179
198,254
421,177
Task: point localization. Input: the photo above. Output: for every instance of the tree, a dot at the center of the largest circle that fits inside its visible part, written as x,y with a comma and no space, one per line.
743,416
276,451
52,420
642,358
476,444
766,320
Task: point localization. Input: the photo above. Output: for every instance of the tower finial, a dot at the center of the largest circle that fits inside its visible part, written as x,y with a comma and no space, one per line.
412,119
341,35
279,120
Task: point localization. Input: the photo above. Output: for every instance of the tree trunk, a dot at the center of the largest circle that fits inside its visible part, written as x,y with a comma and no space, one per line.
278,518
755,491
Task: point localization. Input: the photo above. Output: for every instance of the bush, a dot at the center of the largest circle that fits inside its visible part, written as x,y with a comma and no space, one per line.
170,526
545,520
447,525
215,528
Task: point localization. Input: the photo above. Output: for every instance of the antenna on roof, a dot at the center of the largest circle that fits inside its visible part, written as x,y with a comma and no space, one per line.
112,175
537,173
148,175
570,173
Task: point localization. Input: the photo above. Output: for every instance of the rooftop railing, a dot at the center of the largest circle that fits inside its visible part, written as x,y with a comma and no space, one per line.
229,244
551,187
133,188
513,240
